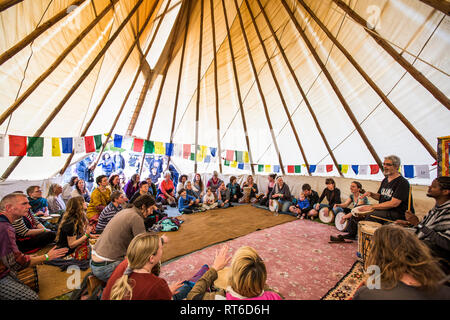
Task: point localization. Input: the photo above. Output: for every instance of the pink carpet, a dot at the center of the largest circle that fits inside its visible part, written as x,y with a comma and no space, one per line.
300,262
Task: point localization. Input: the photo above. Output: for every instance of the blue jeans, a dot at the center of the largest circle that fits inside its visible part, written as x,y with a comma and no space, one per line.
104,272
220,204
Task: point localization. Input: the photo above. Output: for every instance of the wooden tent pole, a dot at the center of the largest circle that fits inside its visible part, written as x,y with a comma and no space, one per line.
54,65
5,4
111,85
441,5
216,88
299,87
374,86
280,93
148,73
72,90
199,70
163,81
180,73
258,84
236,80
416,74
334,86
8,54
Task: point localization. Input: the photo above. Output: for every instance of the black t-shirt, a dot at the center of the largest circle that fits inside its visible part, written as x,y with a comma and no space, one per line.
67,230
402,292
399,189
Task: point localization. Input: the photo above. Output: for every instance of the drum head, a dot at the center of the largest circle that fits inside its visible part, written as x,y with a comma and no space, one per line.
357,212
337,222
369,227
324,218
55,215
274,206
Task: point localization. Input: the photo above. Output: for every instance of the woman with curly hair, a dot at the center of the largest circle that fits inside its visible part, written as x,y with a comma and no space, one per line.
408,269
74,230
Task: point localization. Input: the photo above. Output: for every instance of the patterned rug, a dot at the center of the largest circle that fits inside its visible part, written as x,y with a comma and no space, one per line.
346,288
300,262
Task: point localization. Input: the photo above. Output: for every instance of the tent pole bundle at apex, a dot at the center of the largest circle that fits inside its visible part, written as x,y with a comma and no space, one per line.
290,82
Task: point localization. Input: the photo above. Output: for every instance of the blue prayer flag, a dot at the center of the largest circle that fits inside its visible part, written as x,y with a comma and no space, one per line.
169,149
276,168
67,145
118,141
213,151
241,166
355,168
312,168
207,159
409,171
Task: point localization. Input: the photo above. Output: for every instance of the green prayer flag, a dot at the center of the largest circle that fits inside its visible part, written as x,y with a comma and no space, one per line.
260,167
298,169
98,141
239,156
227,163
35,147
192,156
149,146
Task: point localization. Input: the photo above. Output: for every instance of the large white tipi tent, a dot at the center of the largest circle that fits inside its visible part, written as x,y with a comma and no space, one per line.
288,82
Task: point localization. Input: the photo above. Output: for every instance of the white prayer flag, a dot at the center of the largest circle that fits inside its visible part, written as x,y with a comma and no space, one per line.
127,143
78,145
422,171
3,145
320,168
364,169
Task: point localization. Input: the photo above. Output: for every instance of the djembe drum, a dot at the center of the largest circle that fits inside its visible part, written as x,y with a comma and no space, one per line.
337,221
324,218
366,230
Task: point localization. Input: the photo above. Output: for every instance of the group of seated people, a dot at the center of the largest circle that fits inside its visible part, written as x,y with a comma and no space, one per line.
125,251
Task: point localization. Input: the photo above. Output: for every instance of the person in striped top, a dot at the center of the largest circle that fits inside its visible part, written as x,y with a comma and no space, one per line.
118,198
434,230
31,235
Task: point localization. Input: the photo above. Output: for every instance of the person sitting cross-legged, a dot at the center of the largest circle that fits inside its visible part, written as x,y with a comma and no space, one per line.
356,199
118,199
209,201
282,194
39,205
407,269
223,196
332,194
111,247
186,203
100,198
235,190
300,209
56,204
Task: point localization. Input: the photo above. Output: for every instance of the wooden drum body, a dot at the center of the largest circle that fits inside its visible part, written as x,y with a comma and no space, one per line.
366,230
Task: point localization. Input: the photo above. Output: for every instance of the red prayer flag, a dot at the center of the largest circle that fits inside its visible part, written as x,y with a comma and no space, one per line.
291,169
89,144
186,151
230,155
17,146
138,145
329,167
374,169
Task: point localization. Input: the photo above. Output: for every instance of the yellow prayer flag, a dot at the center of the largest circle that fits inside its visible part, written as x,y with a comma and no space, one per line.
159,148
233,164
267,168
56,147
203,151
344,168
246,159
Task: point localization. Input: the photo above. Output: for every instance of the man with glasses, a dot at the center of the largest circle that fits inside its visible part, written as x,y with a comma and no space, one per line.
392,197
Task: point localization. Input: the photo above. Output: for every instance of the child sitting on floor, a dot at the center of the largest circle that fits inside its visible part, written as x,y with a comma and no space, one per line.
300,209
209,201
187,203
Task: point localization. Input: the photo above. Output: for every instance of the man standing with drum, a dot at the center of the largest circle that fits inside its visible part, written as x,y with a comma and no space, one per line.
393,199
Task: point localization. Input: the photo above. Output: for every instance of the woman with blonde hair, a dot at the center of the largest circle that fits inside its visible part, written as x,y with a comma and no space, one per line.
247,280
408,269
136,278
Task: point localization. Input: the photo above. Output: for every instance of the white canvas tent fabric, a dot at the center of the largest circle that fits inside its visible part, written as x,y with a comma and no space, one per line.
415,29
